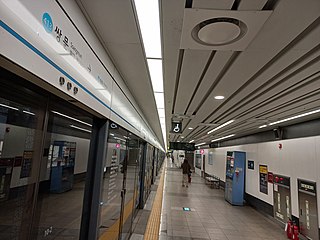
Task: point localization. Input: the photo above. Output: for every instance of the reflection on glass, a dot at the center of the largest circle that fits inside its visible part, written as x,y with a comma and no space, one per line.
62,175
20,141
113,179
120,183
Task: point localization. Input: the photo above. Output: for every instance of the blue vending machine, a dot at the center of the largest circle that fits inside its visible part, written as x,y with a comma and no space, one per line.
235,173
62,155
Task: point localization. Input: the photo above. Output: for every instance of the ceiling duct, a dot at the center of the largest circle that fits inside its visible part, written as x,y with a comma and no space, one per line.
207,29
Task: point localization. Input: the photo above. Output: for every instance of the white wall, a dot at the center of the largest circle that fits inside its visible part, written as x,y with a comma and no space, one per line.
298,158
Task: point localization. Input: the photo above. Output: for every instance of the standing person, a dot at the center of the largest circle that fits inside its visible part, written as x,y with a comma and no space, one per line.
185,171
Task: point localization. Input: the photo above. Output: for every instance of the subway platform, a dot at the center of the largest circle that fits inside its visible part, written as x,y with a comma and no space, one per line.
210,216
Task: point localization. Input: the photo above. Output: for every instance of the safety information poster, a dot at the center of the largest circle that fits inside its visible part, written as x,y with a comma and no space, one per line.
263,178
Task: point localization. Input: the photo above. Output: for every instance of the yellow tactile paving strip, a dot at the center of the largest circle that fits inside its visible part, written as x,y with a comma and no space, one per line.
153,226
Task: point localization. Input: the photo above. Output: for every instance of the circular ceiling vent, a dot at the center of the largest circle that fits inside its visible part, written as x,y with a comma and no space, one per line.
219,31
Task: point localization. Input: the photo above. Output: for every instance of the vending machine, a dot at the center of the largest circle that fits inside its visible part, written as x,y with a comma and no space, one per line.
235,174
62,155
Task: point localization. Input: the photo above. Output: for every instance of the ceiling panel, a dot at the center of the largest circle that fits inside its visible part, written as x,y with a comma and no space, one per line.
171,25
114,20
251,4
269,77
213,4
217,64
192,67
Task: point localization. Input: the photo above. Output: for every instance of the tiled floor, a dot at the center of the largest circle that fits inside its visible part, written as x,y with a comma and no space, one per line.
211,217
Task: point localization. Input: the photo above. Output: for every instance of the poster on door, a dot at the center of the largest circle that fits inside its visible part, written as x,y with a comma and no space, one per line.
263,178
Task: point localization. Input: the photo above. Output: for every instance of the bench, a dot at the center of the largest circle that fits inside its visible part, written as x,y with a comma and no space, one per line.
212,180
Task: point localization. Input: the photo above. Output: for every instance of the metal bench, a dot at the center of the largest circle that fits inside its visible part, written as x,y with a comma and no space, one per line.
212,181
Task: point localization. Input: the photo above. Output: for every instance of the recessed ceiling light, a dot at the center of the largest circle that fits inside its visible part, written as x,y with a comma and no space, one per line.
190,128
182,136
219,97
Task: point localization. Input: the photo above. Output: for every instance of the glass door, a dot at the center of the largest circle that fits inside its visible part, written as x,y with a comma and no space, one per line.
63,172
114,185
132,185
22,113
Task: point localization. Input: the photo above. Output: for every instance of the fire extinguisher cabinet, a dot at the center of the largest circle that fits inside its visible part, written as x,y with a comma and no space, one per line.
235,174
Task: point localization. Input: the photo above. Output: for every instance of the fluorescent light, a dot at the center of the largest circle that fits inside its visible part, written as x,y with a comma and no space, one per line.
162,121
27,112
294,117
219,97
221,126
111,134
191,141
159,99
74,119
190,128
178,141
182,136
148,15
155,69
199,144
263,126
161,112
6,106
79,128
229,136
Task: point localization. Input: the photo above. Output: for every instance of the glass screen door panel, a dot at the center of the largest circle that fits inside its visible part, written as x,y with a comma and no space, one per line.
22,112
63,172
113,194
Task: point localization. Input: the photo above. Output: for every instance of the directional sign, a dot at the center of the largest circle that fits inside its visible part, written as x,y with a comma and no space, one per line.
176,127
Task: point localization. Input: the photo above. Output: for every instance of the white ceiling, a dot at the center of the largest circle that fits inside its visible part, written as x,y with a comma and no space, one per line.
275,77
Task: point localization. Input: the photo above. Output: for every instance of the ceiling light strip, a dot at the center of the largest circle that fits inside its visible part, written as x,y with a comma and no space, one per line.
6,106
149,22
27,112
200,144
218,139
295,117
79,128
74,119
221,126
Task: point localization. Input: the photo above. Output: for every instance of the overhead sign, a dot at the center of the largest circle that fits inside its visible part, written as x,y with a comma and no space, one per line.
176,127
182,146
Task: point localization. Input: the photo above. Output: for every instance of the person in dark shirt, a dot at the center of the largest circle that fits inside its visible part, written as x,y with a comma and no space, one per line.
185,171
